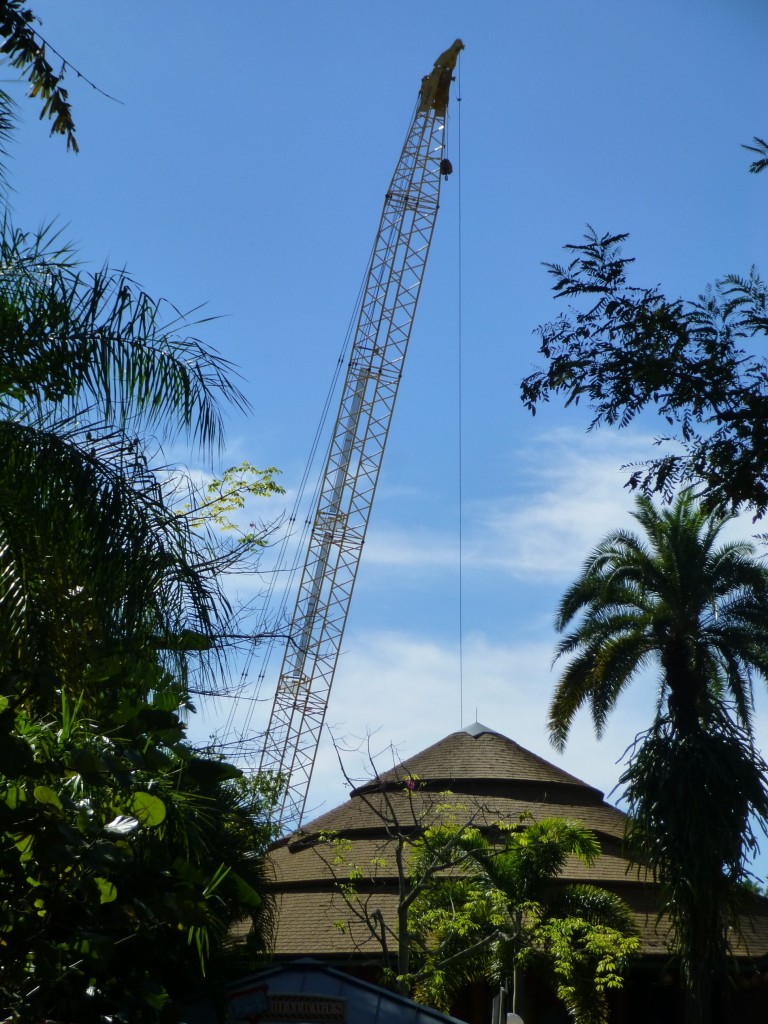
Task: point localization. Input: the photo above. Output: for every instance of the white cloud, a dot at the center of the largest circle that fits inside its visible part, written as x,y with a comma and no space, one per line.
571,492
412,549
404,686
568,493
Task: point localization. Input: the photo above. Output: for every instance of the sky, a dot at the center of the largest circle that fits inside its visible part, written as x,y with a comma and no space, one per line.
242,167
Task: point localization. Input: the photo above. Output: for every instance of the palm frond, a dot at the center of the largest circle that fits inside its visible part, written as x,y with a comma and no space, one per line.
7,125
92,555
82,339
593,904
761,148
692,800
25,49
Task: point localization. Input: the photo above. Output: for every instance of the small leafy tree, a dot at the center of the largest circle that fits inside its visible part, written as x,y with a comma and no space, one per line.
477,899
501,909
407,814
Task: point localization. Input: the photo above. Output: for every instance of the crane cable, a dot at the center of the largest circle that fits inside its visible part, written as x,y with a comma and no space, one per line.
460,358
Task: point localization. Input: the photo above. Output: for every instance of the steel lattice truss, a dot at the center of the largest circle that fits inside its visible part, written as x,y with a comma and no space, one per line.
354,459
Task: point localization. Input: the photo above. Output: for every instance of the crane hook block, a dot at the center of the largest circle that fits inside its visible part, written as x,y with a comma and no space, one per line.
435,85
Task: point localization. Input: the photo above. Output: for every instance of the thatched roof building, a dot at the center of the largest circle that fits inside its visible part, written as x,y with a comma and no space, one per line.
475,773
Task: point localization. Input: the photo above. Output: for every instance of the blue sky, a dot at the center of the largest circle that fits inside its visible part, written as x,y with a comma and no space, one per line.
244,168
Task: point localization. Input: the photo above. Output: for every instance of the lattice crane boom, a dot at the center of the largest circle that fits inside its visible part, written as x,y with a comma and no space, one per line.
351,471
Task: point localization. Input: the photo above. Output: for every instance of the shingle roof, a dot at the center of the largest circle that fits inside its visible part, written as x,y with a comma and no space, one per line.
314,920
364,810
475,773
480,754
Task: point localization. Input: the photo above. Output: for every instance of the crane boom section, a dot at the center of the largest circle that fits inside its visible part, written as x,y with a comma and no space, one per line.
355,453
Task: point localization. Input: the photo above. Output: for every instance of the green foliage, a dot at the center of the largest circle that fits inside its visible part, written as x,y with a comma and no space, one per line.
671,598
228,494
585,960
429,821
26,50
112,849
501,909
625,349
95,347
478,902
125,855
761,148
692,800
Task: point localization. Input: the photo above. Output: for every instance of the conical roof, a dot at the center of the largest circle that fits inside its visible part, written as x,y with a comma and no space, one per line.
474,774
478,754
477,771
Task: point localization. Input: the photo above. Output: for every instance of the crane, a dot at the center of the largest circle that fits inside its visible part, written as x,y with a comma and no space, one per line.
373,373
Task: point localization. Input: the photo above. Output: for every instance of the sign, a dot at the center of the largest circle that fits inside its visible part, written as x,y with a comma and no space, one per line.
259,1006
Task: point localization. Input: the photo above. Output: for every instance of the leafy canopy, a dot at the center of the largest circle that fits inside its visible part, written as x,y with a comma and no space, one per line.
502,908
623,348
26,50
674,598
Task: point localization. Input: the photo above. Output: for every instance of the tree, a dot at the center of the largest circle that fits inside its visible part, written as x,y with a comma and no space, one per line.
27,51
126,854
476,898
626,349
126,859
409,815
697,611
502,909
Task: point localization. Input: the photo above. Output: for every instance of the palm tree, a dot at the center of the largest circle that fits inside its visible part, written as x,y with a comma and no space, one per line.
503,908
89,366
695,608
